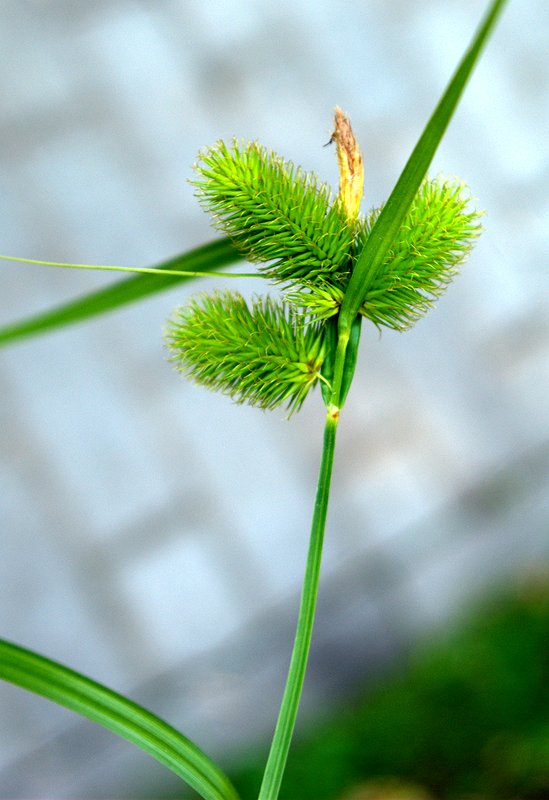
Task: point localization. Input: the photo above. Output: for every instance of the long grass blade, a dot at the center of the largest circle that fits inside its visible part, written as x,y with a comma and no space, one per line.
120,715
388,223
207,258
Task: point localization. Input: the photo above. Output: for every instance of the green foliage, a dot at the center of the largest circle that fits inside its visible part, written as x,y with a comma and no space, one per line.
467,717
264,355
118,714
203,259
274,212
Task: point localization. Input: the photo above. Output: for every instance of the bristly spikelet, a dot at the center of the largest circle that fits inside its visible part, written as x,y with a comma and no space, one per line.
262,354
275,212
435,238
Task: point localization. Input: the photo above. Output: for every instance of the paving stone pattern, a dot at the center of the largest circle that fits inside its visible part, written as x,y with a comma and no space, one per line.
154,535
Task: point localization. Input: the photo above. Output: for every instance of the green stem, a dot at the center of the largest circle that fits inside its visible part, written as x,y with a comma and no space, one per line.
278,754
339,366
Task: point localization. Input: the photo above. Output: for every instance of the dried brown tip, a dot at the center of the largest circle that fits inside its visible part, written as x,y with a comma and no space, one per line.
351,169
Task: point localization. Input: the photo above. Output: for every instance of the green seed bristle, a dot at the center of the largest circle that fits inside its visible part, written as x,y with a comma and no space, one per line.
262,353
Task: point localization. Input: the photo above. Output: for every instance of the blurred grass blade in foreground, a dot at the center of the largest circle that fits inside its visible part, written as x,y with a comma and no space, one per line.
120,715
206,258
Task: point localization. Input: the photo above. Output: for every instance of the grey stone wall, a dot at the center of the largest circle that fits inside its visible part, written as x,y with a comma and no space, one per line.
154,535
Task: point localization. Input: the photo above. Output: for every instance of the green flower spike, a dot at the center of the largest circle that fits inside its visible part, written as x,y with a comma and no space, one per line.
274,352
263,355
274,212
433,242
435,239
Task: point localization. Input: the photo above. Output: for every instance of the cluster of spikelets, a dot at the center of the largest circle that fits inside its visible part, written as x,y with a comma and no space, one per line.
287,222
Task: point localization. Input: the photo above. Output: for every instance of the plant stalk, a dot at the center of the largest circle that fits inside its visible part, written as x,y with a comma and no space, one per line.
274,770
339,366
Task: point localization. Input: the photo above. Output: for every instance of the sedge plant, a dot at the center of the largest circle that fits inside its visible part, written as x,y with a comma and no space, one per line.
332,268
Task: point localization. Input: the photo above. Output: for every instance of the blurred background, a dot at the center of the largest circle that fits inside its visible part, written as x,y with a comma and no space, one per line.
153,534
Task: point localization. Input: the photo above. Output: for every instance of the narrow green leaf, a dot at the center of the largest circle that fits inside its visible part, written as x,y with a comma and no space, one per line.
388,223
120,715
330,346
328,367
351,355
207,258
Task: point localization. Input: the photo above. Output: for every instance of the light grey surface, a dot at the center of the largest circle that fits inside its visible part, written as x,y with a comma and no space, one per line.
154,535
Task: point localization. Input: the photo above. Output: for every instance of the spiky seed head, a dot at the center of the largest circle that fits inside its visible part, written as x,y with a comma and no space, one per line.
276,214
270,353
263,354
434,240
